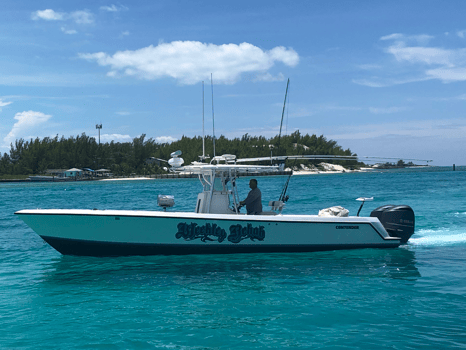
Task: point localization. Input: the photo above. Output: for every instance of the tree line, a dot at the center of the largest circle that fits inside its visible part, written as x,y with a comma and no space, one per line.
125,158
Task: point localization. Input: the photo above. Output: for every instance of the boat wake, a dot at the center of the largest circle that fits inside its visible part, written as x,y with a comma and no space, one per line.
441,237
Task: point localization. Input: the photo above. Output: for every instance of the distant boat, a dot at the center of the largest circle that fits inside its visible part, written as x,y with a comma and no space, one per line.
41,178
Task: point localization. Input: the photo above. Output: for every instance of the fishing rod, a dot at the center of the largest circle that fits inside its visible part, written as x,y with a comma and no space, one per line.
283,196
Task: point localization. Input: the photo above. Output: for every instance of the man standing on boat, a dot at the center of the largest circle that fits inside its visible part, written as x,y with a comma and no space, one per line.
253,201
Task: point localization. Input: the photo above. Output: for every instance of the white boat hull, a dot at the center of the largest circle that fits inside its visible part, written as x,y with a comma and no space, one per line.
120,233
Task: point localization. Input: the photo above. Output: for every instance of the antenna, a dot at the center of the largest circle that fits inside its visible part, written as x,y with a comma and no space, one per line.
98,127
203,135
213,119
283,113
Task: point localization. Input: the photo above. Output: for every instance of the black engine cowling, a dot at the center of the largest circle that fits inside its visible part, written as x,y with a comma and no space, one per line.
398,220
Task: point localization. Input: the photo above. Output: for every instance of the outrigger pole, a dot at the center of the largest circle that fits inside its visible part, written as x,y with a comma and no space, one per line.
203,134
283,196
213,120
283,113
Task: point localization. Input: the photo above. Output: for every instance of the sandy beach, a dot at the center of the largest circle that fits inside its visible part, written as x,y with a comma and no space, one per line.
328,169
128,178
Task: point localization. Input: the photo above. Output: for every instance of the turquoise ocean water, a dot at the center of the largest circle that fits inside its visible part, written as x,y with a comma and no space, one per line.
412,297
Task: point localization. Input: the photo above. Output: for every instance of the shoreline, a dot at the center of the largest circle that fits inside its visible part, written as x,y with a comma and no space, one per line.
286,172
328,169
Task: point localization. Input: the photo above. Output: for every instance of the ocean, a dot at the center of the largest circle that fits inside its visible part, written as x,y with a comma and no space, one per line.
412,297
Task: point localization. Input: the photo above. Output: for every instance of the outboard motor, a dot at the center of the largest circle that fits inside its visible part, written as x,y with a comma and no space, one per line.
398,220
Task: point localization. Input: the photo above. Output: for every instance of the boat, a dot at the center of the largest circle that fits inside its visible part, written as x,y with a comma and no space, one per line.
217,225
45,178
41,178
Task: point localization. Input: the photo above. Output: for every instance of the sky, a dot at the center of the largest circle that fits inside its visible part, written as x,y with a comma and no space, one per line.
382,78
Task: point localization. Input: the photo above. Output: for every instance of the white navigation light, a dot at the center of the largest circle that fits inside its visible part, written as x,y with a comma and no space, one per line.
365,199
175,154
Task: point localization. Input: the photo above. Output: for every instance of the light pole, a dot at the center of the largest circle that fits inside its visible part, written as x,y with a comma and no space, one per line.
98,127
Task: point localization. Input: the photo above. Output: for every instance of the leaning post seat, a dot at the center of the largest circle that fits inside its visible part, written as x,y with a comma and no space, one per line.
276,208
276,205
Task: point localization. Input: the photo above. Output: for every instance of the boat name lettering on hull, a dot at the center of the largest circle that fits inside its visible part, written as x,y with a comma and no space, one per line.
238,233
346,227
192,231
212,232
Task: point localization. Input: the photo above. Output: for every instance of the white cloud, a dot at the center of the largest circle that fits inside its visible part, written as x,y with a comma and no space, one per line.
82,17
26,121
324,109
384,82
448,74
440,140
461,33
371,82
48,15
269,77
68,31
419,61
423,139
115,137
395,36
398,37
446,128
190,62
113,8
3,104
79,17
165,139
426,55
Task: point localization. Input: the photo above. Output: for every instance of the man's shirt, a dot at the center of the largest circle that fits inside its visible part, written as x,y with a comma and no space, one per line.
254,202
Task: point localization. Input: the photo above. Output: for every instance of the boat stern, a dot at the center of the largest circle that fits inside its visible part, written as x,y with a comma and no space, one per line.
398,220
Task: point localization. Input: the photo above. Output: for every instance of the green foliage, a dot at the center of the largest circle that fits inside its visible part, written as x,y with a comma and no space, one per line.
36,156
400,164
